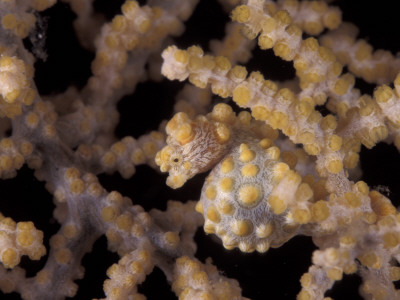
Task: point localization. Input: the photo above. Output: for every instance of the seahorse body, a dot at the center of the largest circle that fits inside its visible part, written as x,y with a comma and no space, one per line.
245,199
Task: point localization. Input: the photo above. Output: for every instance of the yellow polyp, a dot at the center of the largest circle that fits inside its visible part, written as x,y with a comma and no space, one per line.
332,20
268,24
335,166
241,95
150,149
246,247
175,181
9,21
301,216
25,238
199,207
238,73
262,246
195,63
264,230
109,159
213,214
304,295
63,256
223,134
9,258
265,42
278,120
5,162
201,278
313,28
249,195
246,155
381,205
320,211
335,273
277,204
6,143
118,148
299,64
269,86
304,192
144,26
285,96
42,277
211,192
118,23
352,199
226,184
362,187
326,54
227,165
335,142
228,242
294,31
184,133
342,108
364,51
328,123
304,108
112,41
109,213
306,280
28,96
195,50
172,239
279,171
347,240
260,113
208,62
343,84
265,143
223,113
242,227
165,154
241,14
273,152
226,208
181,56
378,133
25,226
12,96
371,260
70,231
124,222
306,137
391,239
366,106
77,186
283,17
394,273
130,43
283,51
187,165
250,170
222,63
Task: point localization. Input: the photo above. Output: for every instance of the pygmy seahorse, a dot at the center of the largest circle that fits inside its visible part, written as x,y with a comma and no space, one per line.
253,198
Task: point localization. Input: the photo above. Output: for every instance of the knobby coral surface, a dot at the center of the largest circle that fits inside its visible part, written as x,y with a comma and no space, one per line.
283,156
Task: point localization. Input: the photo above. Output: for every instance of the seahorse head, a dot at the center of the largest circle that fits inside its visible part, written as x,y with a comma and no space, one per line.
193,146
